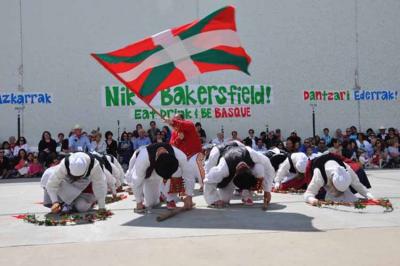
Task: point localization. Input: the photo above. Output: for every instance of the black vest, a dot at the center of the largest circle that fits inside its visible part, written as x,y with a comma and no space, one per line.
319,163
152,150
91,164
277,159
233,156
106,163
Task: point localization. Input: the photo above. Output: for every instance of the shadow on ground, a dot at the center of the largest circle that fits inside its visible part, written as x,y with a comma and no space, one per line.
234,217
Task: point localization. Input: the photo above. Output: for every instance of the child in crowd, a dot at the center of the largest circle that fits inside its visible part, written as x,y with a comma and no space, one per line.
35,168
22,163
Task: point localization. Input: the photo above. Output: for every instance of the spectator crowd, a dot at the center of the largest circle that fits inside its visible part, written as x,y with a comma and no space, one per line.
372,149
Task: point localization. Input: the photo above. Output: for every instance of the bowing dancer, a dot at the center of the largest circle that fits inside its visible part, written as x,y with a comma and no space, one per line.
290,170
235,165
75,184
336,177
157,163
186,138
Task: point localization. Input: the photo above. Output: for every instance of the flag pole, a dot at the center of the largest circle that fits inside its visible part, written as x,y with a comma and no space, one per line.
155,110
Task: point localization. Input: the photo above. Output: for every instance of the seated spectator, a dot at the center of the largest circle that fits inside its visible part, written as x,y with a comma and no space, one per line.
235,136
21,145
370,133
111,144
353,134
201,132
363,158
336,147
152,132
159,138
363,143
322,146
391,135
12,142
260,147
136,131
62,144
220,139
349,150
339,135
125,149
326,137
379,158
278,135
280,145
35,168
22,163
290,147
98,145
6,149
309,152
251,140
78,141
142,140
167,133
5,165
307,144
393,153
47,148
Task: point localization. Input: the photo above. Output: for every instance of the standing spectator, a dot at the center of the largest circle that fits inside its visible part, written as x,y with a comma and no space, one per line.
278,135
136,131
270,141
4,165
294,138
22,163
382,133
201,132
167,133
322,146
62,143
111,144
326,137
339,135
260,147
251,140
142,140
220,139
152,132
47,148
35,168
336,147
78,141
98,145
21,145
125,149
235,136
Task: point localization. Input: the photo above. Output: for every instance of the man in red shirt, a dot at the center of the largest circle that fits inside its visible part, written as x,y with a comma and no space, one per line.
186,138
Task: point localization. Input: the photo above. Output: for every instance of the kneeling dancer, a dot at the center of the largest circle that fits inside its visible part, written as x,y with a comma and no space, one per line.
237,166
153,164
336,177
75,184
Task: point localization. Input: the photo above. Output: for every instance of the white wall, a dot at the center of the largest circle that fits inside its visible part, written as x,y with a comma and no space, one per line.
295,45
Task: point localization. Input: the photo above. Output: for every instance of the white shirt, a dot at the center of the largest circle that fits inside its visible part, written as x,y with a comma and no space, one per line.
318,182
18,148
97,177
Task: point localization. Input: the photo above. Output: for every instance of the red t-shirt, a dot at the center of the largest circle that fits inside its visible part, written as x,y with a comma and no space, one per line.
191,143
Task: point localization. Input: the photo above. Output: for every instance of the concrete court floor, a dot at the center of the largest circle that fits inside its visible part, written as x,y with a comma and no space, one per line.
289,233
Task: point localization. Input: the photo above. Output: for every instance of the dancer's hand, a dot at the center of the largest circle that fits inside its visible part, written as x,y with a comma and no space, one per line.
315,202
56,207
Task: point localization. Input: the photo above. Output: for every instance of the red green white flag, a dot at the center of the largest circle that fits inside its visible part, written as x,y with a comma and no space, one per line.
175,55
